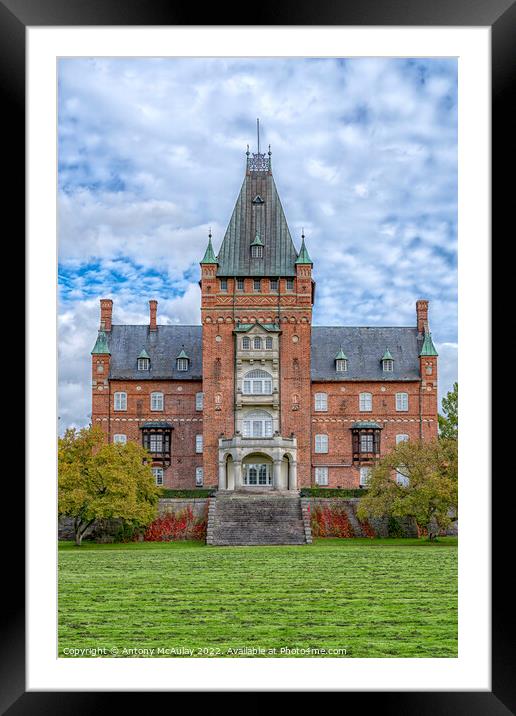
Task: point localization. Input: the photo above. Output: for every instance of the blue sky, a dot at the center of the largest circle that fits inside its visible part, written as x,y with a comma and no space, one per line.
152,154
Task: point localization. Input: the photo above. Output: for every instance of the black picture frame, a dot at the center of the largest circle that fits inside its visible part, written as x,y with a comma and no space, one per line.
500,15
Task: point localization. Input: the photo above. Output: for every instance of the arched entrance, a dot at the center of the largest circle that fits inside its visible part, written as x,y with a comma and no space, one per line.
257,470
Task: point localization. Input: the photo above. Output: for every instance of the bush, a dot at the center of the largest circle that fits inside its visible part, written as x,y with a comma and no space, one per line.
177,526
329,492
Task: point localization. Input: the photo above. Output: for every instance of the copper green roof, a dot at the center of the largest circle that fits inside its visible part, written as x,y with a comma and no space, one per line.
266,219
144,354
244,327
341,355
209,254
428,348
257,241
387,355
101,344
182,354
366,424
304,256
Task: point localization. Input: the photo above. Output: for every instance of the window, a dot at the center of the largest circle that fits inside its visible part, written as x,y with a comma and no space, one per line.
156,401
257,284
199,401
143,364
290,284
388,365
100,368
257,251
401,439
156,442
257,474
246,343
365,472
257,343
321,401
321,443
401,476
365,402
257,424
198,443
240,284
199,477
341,365
268,343
273,284
119,438
402,401
321,475
223,284
257,382
158,475
182,364
366,442
121,401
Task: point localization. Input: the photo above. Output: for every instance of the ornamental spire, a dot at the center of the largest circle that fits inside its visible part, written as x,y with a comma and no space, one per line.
304,256
209,254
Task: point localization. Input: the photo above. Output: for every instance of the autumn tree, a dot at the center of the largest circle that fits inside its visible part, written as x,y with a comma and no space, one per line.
416,479
449,421
103,481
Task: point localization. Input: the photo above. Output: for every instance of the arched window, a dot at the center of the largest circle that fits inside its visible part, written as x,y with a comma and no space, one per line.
257,343
257,382
257,424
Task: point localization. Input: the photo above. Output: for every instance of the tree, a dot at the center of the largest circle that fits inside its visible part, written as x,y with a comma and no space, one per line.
100,481
430,493
449,422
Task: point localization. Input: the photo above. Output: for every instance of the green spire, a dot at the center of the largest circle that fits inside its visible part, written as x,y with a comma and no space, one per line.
209,254
304,256
257,241
428,348
144,354
101,345
341,355
183,354
387,355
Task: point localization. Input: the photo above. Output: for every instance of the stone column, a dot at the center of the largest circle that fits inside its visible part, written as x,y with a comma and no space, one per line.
237,468
222,476
292,475
276,475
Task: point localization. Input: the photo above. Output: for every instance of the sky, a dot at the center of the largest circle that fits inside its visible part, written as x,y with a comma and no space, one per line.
152,154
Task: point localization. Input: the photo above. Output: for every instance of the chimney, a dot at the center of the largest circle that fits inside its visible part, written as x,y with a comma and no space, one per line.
422,315
106,313
153,305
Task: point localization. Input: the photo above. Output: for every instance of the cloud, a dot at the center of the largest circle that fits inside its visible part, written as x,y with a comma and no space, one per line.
151,154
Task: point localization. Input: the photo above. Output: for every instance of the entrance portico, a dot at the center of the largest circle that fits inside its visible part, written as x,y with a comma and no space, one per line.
265,463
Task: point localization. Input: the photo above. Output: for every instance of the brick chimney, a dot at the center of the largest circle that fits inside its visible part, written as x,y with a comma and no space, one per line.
106,313
153,306
422,315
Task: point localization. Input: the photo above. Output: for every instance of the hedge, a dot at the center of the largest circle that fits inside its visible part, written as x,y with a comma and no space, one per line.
327,492
165,492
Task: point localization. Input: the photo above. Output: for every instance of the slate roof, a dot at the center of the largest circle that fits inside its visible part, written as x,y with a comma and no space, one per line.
364,348
163,345
265,219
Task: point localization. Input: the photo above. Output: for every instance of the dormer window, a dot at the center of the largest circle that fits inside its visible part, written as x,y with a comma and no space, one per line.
182,361
257,252
143,360
341,362
387,362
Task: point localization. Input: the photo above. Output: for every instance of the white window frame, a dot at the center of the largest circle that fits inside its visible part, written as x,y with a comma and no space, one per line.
246,343
257,424
182,364
402,479
157,402
120,400
257,382
156,440
341,365
365,402
365,473
402,438
388,365
366,442
198,443
159,475
321,402
321,476
199,477
120,439
257,252
268,343
321,443
143,364
257,343
199,401
402,402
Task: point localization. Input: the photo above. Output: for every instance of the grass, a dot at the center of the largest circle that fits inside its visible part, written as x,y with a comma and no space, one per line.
371,597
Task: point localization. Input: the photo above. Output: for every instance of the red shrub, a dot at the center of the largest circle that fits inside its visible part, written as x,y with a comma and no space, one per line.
177,526
330,521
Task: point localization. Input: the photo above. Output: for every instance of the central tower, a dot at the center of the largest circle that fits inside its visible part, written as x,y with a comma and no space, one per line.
256,313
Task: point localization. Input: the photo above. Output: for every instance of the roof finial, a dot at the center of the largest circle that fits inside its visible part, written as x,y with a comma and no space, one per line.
247,150
303,232
258,133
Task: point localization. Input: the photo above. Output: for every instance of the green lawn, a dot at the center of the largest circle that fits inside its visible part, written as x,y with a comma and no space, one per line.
373,598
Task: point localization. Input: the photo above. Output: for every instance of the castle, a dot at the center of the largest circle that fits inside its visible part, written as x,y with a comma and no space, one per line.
256,398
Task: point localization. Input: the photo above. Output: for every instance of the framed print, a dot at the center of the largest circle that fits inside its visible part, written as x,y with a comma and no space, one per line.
246,373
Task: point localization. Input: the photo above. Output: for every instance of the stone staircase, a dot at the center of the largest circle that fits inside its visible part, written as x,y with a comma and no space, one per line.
259,518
